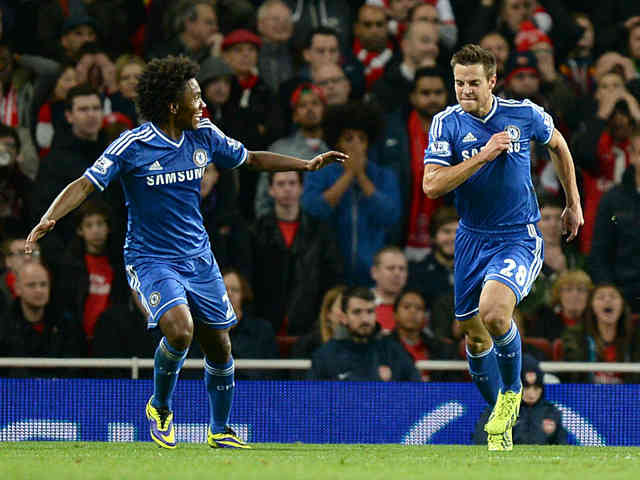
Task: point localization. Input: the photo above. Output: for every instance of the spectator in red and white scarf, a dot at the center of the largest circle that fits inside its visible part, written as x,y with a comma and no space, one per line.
372,45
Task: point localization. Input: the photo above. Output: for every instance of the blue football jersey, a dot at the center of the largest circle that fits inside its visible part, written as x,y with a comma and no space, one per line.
161,183
501,193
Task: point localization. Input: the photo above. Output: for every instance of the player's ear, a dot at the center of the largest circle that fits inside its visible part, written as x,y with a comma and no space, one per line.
492,82
173,108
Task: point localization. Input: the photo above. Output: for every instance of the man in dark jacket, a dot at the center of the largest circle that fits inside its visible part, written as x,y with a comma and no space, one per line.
33,327
72,153
615,252
121,332
296,261
362,356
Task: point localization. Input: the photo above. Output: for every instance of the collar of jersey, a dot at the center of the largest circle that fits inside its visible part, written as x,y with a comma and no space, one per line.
167,139
488,116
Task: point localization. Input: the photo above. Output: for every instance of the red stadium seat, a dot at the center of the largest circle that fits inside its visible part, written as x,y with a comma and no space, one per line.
558,350
284,344
541,344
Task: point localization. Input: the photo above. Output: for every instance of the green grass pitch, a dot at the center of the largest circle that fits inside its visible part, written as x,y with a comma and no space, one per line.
88,461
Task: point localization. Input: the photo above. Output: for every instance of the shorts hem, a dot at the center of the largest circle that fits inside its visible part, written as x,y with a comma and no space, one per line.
466,316
507,282
154,318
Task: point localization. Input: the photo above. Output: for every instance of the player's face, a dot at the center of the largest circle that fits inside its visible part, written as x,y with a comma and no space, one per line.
361,317
473,88
286,189
445,239
429,96
94,230
410,312
390,274
551,224
190,110
32,285
607,304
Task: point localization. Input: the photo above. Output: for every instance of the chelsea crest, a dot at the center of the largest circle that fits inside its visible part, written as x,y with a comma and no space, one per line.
200,157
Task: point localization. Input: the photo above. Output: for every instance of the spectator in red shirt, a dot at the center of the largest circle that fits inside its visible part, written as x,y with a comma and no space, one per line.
389,272
415,337
92,273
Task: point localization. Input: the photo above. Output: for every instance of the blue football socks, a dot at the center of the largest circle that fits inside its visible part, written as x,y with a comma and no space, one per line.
483,368
167,364
509,355
218,379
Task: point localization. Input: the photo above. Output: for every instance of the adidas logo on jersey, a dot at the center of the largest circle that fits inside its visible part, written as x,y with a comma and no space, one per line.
469,137
155,166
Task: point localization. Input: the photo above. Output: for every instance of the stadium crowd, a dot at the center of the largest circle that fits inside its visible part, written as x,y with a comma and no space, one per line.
352,265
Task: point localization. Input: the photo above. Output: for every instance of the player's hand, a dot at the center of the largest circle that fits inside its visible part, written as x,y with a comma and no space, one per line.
39,231
572,220
324,159
498,143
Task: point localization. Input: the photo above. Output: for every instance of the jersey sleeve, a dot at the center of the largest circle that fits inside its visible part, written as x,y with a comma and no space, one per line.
439,149
541,123
104,170
225,151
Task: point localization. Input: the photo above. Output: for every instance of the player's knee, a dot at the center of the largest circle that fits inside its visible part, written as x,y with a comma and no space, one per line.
224,349
495,319
180,335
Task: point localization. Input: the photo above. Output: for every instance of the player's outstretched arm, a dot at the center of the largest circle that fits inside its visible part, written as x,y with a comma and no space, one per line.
276,162
572,218
72,196
439,180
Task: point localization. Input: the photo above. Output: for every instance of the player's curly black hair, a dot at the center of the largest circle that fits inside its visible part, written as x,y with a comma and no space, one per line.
352,116
162,83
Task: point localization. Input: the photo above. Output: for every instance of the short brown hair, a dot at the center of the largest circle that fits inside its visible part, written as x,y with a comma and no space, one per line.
472,54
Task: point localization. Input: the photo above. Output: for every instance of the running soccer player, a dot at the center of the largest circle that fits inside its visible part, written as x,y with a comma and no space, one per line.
480,149
167,252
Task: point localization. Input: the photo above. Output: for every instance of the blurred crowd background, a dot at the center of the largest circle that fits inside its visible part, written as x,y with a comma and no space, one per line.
351,265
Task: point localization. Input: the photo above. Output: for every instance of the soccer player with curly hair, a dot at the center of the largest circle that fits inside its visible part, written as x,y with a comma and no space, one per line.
167,253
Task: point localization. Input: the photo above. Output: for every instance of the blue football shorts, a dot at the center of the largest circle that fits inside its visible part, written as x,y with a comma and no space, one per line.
195,282
513,258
